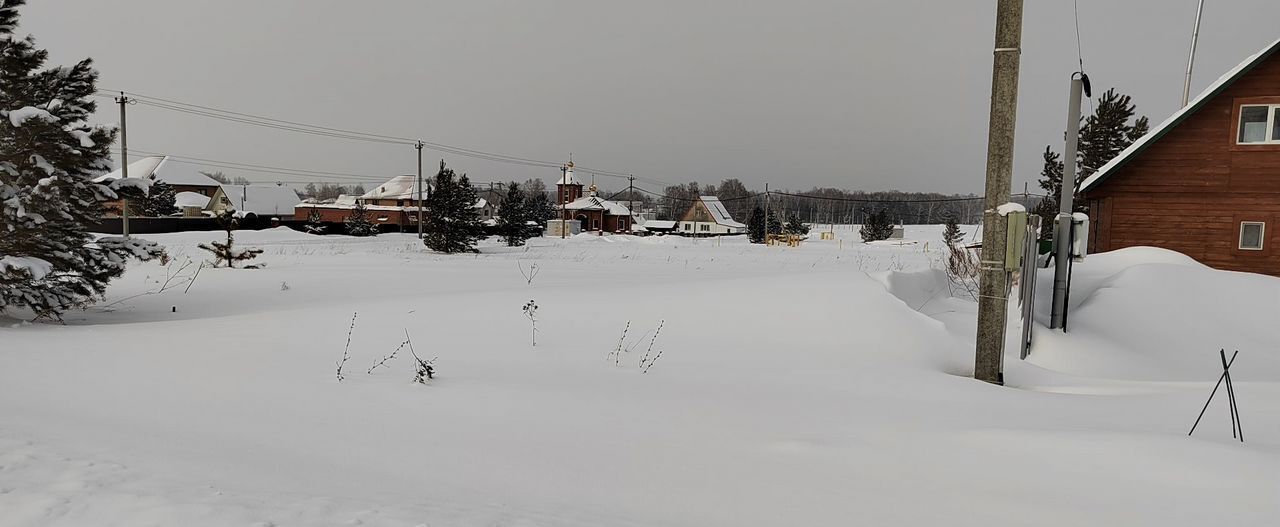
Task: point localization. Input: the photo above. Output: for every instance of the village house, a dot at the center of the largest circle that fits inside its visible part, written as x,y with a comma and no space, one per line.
186,181
708,216
393,204
589,212
1206,181
265,201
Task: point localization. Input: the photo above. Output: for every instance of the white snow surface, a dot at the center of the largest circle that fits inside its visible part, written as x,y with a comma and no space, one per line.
163,168
825,384
262,199
36,267
1007,208
190,199
20,116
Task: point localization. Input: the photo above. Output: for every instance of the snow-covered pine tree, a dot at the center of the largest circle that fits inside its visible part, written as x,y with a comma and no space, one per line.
226,252
1103,136
315,223
513,219
49,262
160,200
453,222
539,209
877,227
756,225
795,226
951,233
358,224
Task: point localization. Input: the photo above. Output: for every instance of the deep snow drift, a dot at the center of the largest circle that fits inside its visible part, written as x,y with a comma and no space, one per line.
816,385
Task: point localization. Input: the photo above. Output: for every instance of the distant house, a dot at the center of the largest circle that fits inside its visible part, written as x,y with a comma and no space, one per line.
1206,181
393,205
264,201
591,212
191,204
707,216
659,226
181,176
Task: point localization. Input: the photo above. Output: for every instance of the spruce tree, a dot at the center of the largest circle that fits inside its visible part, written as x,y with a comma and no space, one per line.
795,226
315,222
453,223
1103,135
358,224
951,233
877,227
539,208
226,251
160,200
513,219
756,225
49,155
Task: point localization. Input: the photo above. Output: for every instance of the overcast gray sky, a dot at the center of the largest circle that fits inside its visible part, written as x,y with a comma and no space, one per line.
871,95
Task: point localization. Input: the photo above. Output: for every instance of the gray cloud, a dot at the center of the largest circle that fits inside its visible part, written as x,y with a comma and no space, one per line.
869,95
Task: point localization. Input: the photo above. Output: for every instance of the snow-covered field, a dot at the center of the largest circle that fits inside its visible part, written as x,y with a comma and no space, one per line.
818,385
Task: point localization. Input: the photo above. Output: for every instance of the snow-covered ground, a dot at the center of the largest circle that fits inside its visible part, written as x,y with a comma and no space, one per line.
818,385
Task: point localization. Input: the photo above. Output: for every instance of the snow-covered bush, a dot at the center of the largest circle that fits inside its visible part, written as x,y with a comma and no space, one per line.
49,155
358,224
877,227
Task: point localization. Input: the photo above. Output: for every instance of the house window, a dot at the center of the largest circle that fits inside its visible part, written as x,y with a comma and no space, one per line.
1259,124
595,225
704,227
1251,233
688,226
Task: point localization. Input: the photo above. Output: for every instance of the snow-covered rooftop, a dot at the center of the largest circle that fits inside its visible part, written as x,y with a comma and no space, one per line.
163,168
190,199
262,199
598,203
719,213
399,187
1194,105
660,224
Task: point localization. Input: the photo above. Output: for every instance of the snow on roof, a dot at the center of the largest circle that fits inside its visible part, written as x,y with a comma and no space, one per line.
399,187
568,179
660,224
719,213
598,203
1194,105
163,168
190,199
481,203
262,199
346,199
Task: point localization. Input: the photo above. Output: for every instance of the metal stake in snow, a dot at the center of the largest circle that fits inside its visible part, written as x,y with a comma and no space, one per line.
1062,236
124,165
993,285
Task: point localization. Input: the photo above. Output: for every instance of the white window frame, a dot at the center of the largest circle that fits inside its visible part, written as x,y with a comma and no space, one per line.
1262,236
1270,136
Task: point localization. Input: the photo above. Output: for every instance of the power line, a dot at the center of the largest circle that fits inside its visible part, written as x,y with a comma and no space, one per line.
338,133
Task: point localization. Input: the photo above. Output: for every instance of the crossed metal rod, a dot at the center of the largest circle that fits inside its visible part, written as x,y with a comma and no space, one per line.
1236,430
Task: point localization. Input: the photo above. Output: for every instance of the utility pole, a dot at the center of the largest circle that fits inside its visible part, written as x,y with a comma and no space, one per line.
631,199
418,146
1191,59
124,165
1062,236
993,281
561,190
766,213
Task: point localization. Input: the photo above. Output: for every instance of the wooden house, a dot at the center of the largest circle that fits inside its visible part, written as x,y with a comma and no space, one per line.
708,216
1206,181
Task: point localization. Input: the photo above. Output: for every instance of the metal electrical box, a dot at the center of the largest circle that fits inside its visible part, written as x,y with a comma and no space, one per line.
1015,238
1079,236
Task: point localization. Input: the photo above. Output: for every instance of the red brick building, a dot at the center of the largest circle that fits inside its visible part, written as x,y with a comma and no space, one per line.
591,212
1206,182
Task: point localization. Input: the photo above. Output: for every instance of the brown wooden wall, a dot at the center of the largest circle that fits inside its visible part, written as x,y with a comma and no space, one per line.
1189,190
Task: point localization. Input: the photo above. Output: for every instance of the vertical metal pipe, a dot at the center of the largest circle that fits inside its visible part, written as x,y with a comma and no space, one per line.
1062,236
124,165
1191,58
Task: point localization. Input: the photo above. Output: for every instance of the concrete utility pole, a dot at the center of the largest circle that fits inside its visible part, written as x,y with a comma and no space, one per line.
993,281
419,147
560,189
631,199
1191,59
124,165
1062,237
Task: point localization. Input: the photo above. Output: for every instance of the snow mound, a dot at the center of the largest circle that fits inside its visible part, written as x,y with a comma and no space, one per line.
1152,314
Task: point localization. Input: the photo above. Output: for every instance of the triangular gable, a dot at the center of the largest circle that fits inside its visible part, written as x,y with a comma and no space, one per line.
1205,97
